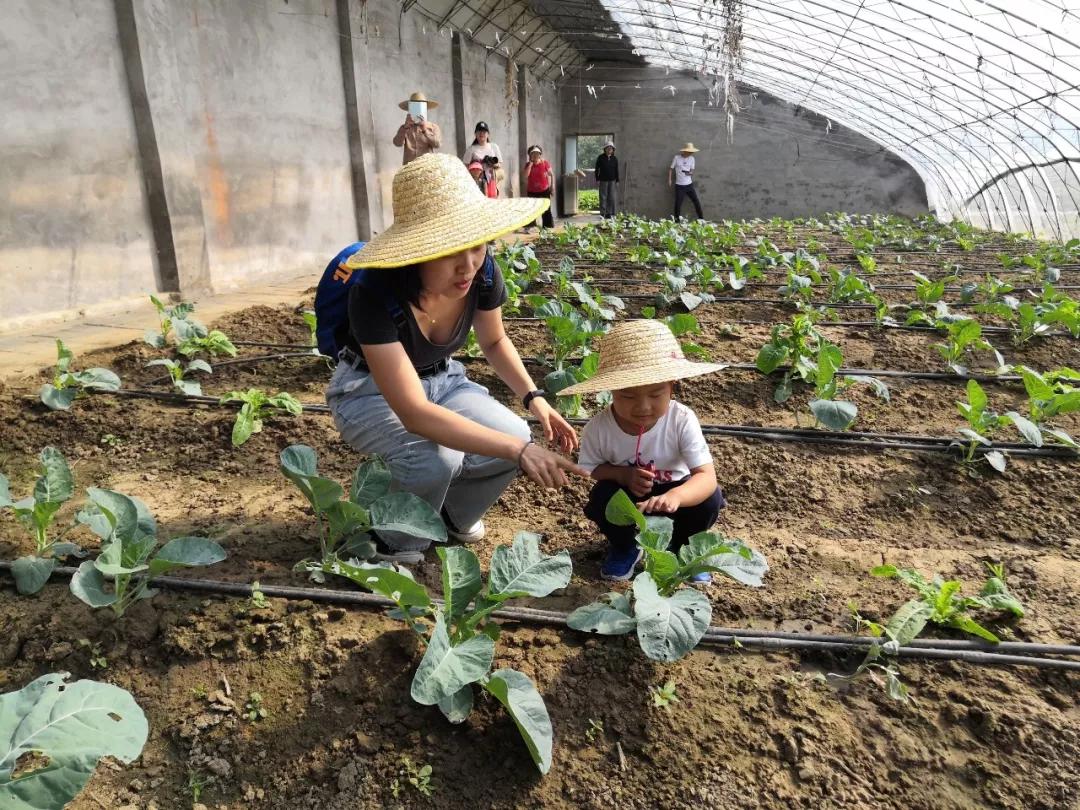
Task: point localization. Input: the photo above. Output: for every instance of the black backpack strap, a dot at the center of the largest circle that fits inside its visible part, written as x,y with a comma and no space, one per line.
397,312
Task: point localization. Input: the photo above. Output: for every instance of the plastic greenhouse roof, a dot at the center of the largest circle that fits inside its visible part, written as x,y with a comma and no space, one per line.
982,98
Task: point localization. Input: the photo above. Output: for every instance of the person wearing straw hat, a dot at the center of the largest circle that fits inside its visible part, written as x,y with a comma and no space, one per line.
645,443
681,174
607,180
397,392
418,135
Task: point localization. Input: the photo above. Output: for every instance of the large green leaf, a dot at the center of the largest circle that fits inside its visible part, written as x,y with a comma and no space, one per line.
726,556
385,581
56,484
461,580
407,514
835,414
89,585
186,552
669,627
522,569
370,482
526,706
245,425
458,706
621,511
299,464
31,573
446,668
99,379
608,616
770,357
1028,429
908,621
73,725
58,399
347,519
119,511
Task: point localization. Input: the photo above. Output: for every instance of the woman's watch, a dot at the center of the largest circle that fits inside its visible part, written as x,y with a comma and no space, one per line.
526,400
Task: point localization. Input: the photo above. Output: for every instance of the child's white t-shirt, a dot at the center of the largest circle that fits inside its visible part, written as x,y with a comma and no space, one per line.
670,448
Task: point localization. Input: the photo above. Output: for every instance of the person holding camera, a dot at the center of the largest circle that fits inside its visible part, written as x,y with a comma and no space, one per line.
488,155
418,135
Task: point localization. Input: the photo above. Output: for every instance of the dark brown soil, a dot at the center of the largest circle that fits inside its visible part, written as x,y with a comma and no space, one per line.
749,730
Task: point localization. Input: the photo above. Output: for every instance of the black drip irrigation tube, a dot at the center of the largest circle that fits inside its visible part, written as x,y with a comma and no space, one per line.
593,281
1004,653
861,440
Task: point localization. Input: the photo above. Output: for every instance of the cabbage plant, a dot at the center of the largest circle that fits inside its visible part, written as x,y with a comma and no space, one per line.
346,522
122,573
68,385
459,635
37,512
258,406
669,618
178,373
66,728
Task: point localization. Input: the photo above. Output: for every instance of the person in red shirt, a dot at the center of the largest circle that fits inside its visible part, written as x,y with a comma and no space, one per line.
539,182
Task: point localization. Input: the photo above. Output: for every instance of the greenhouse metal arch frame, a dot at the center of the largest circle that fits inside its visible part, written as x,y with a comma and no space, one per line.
1030,123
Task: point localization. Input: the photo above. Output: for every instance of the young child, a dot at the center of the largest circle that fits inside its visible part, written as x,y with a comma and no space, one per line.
646,443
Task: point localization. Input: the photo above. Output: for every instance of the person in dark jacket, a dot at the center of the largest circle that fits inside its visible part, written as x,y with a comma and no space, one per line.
607,177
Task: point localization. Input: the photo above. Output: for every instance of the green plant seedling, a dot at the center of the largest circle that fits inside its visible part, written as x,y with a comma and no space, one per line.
596,728
982,425
68,385
258,600
65,728
961,337
833,413
929,291
418,777
168,318
795,344
663,697
258,406
197,782
312,323
346,522
128,535
178,374
940,603
94,654
214,343
1049,395
459,636
254,710
670,619
37,512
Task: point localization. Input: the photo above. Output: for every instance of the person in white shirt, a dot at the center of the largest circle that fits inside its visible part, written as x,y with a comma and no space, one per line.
487,153
645,443
681,175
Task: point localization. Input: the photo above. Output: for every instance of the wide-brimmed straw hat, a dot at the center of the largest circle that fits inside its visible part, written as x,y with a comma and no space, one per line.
640,353
418,97
439,210
688,147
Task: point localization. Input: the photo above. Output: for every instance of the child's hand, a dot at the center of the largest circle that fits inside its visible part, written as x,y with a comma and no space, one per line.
638,480
668,502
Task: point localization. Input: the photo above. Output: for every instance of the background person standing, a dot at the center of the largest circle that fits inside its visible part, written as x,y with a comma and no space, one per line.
607,178
539,182
682,171
418,135
483,151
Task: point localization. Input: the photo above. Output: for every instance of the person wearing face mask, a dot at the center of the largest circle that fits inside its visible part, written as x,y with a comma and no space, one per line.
417,135
398,393
483,151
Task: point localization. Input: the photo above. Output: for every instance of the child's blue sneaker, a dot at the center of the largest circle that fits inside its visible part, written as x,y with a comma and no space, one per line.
619,565
704,578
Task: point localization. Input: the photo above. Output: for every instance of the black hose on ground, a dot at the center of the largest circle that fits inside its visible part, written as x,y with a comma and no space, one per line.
714,636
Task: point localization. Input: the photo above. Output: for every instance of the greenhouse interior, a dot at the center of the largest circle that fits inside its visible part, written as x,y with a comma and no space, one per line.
539,404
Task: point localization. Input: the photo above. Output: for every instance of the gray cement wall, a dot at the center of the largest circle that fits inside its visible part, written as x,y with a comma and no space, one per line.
196,145
782,163
74,228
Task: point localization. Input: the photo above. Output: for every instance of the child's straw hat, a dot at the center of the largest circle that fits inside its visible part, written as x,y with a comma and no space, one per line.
439,210
639,353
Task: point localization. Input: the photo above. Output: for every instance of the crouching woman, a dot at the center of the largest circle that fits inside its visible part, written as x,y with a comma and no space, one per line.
397,391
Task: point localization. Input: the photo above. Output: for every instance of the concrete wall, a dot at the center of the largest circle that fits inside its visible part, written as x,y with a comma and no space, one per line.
782,163
74,227
194,145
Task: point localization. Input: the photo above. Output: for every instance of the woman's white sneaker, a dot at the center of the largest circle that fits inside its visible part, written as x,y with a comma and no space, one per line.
471,535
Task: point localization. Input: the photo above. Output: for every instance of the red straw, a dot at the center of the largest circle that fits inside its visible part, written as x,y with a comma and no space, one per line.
637,450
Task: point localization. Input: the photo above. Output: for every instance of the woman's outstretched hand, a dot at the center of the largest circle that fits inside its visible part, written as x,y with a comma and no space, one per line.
556,429
547,468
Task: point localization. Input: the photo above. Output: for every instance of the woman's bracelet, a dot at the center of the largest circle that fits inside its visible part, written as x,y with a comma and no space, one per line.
522,452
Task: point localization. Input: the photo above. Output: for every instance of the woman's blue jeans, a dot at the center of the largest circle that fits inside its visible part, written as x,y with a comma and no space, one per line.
463,485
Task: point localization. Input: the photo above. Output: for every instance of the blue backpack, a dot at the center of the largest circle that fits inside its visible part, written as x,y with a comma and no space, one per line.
332,298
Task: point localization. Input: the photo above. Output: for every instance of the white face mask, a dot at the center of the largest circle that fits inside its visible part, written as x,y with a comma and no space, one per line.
418,109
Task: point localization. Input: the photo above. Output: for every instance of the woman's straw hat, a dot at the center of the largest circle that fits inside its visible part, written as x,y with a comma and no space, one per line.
688,147
639,353
404,105
439,210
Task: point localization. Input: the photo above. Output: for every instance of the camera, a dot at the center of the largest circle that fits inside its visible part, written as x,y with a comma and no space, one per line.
490,160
